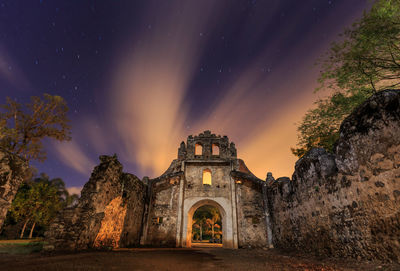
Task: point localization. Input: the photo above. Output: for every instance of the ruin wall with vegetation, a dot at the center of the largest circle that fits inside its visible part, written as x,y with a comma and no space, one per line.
346,204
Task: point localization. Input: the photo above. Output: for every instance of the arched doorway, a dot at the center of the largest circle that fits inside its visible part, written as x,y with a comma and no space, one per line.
226,220
207,227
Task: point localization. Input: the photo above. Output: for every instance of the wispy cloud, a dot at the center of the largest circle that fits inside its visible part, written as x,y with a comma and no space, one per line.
73,156
74,190
257,108
151,81
10,71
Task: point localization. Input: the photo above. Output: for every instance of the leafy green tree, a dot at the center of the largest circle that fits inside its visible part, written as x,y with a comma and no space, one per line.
365,61
39,201
20,208
23,128
320,126
368,57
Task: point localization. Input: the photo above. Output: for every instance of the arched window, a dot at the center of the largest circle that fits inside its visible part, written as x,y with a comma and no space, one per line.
198,149
207,176
215,149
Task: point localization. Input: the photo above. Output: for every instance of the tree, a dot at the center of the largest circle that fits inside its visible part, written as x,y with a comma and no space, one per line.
215,217
367,60
368,57
23,128
38,202
199,223
320,126
205,220
20,208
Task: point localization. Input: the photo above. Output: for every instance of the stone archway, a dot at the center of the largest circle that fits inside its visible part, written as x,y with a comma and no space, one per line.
225,210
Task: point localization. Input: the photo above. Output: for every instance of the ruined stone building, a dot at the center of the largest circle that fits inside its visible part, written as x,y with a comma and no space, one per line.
345,203
207,172
118,209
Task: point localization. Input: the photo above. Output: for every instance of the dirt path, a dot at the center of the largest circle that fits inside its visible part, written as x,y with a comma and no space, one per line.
181,259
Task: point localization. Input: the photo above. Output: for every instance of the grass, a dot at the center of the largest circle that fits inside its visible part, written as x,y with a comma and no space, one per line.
21,246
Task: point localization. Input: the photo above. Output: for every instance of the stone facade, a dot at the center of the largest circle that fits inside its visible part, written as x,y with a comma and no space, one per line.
13,169
346,204
180,191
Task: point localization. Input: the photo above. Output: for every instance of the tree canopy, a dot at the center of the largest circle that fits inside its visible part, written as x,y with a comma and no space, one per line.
364,61
39,200
22,128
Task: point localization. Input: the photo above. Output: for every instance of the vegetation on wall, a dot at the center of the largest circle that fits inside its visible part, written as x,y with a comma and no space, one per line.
365,61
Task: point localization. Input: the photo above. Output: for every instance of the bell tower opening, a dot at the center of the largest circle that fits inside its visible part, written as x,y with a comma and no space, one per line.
198,149
215,149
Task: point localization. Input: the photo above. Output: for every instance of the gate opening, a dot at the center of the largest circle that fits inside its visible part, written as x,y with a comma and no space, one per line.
207,227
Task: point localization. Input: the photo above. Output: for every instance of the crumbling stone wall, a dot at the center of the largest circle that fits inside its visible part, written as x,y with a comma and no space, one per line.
346,204
252,228
251,207
13,170
109,212
163,213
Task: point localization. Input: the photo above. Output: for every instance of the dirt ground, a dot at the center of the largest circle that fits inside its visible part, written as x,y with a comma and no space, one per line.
182,259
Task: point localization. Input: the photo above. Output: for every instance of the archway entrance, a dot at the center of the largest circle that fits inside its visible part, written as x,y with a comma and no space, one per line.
227,236
207,227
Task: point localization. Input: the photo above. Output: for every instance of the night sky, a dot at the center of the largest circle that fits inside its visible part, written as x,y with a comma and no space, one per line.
140,76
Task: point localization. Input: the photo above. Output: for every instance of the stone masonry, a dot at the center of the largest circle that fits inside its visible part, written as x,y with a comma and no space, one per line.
109,212
234,190
118,210
346,204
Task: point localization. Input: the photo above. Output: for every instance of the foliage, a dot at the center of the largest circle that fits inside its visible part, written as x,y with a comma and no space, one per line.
365,61
320,126
39,200
206,222
23,128
368,57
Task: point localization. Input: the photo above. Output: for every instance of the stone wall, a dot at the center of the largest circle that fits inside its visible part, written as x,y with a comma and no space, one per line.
13,169
346,204
252,228
109,212
163,213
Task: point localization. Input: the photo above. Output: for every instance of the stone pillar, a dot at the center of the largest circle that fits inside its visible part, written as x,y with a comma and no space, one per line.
268,181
